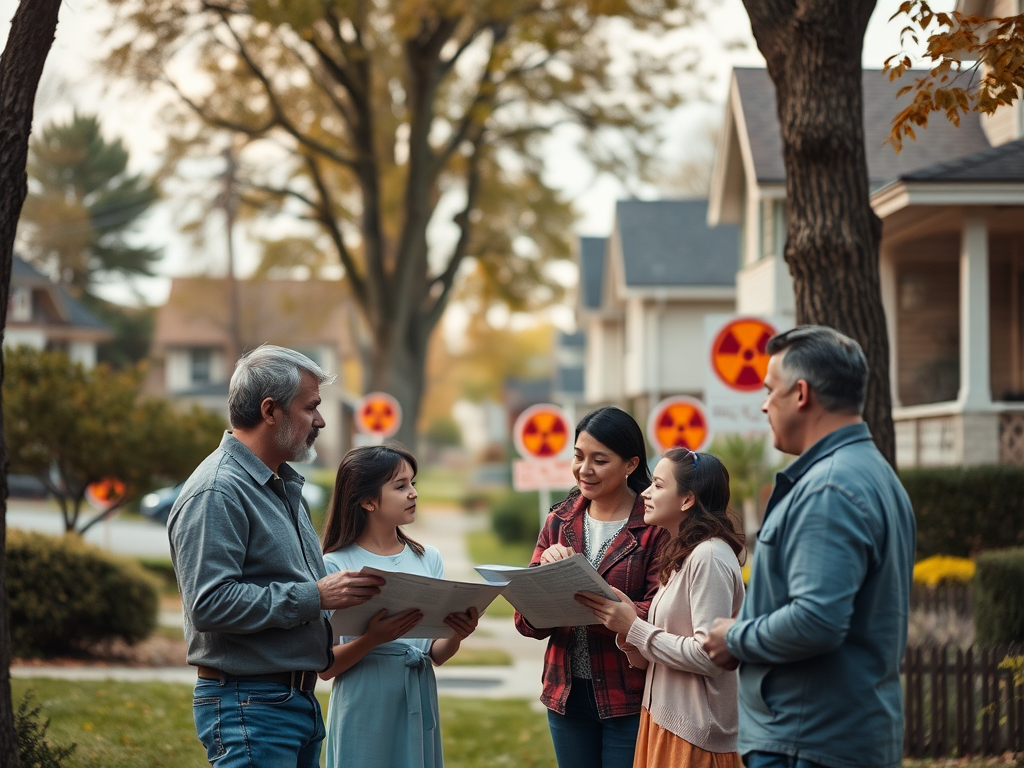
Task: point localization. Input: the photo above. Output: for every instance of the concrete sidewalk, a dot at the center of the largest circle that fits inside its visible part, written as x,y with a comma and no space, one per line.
440,527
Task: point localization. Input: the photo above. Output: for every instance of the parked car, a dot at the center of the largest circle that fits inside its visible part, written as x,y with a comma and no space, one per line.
157,505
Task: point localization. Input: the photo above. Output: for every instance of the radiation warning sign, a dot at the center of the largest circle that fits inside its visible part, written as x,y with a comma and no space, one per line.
378,414
541,432
678,422
105,494
738,355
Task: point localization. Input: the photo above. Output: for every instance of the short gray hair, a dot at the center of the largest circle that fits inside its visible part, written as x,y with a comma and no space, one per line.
267,371
832,363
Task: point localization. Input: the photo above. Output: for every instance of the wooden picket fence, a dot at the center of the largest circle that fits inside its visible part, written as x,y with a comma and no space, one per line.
948,596
957,702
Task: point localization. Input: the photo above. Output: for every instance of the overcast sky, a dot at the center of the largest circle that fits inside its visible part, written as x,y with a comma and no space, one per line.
72,83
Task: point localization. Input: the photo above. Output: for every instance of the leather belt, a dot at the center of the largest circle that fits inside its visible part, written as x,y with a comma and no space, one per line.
302,681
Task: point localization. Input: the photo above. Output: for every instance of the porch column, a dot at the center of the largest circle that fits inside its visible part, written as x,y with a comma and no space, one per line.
975,386
887,278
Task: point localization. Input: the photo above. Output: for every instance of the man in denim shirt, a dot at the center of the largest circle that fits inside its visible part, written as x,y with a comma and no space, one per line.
824,625
251,574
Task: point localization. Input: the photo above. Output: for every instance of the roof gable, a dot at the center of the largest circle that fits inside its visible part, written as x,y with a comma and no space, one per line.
669,243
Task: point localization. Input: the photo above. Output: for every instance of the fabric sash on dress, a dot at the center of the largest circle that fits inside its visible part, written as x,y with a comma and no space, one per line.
420,684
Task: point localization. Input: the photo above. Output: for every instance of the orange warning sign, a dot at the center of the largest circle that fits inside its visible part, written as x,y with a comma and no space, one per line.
378,414
541,432
738,355
678,422
106,493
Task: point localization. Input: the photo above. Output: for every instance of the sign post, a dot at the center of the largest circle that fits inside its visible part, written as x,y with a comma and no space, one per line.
103,496
378,416
541,436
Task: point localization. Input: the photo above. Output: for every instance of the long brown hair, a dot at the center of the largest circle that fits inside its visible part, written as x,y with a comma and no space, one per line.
707,479
362,475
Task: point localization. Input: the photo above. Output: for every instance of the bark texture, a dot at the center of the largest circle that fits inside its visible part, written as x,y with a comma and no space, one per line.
21,66
813,51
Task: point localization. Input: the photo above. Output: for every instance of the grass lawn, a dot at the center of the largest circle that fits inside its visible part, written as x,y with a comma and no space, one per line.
441,485
126,725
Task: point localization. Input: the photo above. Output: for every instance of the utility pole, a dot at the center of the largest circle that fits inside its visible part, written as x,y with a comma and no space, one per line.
230,203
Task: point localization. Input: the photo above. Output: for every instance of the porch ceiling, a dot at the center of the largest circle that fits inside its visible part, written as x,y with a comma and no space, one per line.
919,221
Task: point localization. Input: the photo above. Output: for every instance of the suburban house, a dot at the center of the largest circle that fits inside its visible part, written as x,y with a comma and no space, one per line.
194,346
644,293
951,262
42,315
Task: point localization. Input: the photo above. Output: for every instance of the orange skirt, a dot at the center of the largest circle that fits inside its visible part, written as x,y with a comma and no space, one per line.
659,748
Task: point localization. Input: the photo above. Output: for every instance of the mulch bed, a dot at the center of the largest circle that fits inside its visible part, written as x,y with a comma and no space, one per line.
155,651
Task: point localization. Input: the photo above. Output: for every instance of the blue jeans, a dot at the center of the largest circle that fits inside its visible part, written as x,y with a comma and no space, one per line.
776,760
258,725
584,740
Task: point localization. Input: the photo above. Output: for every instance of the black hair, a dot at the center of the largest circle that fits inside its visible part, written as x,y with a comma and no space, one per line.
619,431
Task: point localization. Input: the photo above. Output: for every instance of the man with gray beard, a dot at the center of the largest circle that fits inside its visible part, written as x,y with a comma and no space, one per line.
253,584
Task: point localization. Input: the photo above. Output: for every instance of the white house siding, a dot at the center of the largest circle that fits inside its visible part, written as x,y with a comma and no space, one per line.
603,367
24,337
682,351
83,352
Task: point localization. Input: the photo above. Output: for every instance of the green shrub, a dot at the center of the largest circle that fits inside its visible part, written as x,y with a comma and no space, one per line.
963,510
34,749
515,517
999,596
65,594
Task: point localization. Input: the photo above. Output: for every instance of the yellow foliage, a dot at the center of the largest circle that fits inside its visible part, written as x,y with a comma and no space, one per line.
937,569
985,54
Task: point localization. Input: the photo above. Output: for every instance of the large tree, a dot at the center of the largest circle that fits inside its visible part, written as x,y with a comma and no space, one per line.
381,121
813,53
21,66
83,206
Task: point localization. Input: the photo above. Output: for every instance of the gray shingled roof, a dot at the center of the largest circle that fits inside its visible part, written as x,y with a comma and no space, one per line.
1003,163
78,313
592,270
937,144
669,242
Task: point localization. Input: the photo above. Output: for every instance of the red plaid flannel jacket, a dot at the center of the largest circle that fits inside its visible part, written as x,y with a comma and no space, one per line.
629,565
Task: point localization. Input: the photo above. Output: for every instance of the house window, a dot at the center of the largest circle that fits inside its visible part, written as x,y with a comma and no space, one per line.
773,227
200,365
19,308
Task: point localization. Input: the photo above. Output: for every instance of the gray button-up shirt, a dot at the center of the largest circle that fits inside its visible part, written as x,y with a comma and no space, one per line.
247,560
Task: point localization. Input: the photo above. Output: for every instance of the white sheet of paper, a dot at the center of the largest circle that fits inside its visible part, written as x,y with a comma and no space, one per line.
544,593
435,597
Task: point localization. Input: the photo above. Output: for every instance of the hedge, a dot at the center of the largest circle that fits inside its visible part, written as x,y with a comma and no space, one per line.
999,596
962,511
64,594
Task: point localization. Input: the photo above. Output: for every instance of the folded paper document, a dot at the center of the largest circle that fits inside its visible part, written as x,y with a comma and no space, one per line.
544,593
435,597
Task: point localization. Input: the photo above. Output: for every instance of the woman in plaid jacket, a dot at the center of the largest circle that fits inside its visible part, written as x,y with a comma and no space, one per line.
592,693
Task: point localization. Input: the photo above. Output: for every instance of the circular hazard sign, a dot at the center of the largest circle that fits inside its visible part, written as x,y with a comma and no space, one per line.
106,493
738,355
541,432
378,414
678,422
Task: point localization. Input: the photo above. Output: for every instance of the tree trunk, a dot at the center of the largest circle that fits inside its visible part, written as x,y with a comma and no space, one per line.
813,52
397,365
21,66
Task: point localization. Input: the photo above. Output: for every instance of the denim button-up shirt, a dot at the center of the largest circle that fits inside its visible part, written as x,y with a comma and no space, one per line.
247,560
824,625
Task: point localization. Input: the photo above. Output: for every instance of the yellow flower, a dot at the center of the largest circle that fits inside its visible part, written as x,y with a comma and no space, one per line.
934,570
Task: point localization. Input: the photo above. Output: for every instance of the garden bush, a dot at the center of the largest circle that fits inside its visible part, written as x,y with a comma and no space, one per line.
999,596
962,511
515,518
64,594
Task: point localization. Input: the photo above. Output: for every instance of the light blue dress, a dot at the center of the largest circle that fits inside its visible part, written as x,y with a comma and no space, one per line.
383,711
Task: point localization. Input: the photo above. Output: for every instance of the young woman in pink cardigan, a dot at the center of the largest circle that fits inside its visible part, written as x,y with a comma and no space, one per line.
689,714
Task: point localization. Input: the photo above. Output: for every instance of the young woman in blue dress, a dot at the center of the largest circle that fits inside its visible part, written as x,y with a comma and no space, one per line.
383,706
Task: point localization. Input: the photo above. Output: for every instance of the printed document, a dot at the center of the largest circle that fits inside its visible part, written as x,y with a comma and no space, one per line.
544,593
435,597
